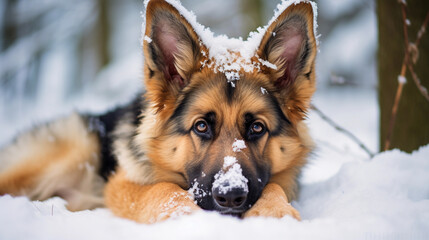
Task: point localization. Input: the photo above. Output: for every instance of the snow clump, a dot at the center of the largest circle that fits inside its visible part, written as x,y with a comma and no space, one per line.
230,177
238,145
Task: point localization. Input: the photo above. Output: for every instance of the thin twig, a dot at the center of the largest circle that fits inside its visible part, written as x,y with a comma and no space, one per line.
416,79
422,29
400,83
393,116
342,130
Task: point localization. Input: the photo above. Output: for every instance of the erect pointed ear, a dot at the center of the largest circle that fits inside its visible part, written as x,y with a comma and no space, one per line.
172,52
290,44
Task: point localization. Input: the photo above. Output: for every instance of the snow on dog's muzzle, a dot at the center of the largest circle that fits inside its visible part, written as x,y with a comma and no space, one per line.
230,187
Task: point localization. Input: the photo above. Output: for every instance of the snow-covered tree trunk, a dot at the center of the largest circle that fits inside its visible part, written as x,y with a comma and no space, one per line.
411,128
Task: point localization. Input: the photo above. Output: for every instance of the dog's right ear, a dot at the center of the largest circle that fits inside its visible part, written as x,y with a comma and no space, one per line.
172,52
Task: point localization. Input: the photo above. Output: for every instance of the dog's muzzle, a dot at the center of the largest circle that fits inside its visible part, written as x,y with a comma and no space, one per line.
230,202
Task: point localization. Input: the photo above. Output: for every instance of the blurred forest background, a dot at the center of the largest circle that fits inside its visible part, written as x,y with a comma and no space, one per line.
57,56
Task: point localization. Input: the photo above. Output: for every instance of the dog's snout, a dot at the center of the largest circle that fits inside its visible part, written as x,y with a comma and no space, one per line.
233,199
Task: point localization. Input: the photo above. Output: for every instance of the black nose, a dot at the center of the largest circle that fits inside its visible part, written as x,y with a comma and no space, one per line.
234,198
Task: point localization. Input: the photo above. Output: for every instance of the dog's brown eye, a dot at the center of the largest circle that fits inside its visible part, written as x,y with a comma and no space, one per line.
256,130
257,127
201,126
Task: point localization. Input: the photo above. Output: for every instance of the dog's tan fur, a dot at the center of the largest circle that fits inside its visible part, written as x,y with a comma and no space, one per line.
149,180
59,159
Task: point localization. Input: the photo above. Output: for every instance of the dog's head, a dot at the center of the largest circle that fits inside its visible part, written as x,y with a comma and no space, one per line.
224,124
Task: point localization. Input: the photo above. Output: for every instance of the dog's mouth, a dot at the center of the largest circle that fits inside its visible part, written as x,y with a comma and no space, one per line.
232,212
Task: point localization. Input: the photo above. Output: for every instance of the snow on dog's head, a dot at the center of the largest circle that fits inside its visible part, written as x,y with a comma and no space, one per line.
233,56
212,97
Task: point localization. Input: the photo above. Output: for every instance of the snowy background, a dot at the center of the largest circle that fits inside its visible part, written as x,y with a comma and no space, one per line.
85,55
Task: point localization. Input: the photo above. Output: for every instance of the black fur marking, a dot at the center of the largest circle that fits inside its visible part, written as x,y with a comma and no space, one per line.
229,92
104,125
151,73
248,120
176,118
304,56
211,118
134,148
282,149
284,122
307,75
154,55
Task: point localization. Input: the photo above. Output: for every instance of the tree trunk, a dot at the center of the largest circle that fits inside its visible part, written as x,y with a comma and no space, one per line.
411,128
9,33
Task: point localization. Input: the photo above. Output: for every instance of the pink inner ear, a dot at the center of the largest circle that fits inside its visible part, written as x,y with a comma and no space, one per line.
292,45
167,42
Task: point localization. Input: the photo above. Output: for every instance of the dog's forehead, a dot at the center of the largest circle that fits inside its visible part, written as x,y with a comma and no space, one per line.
211,91
234,64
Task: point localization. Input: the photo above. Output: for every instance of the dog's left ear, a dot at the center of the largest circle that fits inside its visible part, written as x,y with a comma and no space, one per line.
290,44
172,53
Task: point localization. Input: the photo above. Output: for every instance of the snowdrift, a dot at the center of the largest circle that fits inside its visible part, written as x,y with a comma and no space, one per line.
383,198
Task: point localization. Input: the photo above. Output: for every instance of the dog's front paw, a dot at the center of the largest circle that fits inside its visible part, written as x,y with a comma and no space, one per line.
272,203
178,204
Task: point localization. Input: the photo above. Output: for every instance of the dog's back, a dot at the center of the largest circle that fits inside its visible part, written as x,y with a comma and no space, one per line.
71,157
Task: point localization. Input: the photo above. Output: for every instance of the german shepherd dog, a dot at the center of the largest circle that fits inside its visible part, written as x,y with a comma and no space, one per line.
192,140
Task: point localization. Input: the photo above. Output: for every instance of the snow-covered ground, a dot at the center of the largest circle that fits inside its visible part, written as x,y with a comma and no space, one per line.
382,198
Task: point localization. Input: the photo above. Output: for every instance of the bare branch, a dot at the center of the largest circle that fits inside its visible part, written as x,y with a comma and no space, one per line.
401,76
343,130
416,79
422,30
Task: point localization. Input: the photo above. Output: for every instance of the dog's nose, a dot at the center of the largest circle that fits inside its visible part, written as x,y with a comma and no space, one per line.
234,198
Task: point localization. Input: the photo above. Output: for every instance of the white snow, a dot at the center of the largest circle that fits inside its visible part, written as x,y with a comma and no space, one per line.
147,39
228,161
383,198
402,79
196,191
268,64
178,208
408,22
230,177
238,145
231,55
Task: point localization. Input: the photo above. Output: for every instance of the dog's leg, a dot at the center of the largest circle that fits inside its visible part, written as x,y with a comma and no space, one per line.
272,203
146,203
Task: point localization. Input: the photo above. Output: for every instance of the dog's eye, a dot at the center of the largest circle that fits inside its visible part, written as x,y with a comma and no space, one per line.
202,129
256,129
201,126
